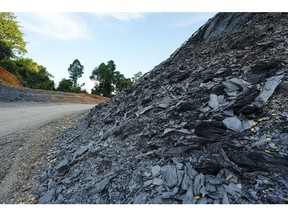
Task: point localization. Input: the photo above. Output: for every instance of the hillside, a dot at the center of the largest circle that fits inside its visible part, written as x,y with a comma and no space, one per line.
8,79
207,125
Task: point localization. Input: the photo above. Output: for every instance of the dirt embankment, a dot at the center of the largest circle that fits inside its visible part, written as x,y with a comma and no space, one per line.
8,79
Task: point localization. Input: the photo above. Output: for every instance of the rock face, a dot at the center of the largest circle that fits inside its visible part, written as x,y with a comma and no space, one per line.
208,125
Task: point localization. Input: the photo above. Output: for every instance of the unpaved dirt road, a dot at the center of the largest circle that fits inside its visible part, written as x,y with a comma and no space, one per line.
28,133
15,117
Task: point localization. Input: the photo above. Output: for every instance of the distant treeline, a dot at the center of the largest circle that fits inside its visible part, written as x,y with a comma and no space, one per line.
108,81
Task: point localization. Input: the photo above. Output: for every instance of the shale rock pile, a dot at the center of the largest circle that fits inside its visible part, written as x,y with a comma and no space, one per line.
208,125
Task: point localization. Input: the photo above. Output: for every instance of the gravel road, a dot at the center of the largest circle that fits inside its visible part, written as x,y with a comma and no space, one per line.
15,117
25,153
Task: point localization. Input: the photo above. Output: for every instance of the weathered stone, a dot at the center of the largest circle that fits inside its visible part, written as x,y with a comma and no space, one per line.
213,102
269,88
147,183
190,171
47,197
225,199
155,170
189,197
100,186
198,183
233,123
62,166
143,110
230,86
157,181
170,176
187,182
140,198
80,152
232,188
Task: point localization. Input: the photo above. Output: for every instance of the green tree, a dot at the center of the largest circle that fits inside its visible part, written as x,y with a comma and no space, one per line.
137,76
108,80
121,83
75,71
104,74
65,85
10,33
5,51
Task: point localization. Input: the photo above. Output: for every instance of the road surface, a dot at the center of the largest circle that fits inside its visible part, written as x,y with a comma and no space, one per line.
15,117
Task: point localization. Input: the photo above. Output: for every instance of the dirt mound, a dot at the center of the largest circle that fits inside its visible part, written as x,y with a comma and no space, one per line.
208,125
9,79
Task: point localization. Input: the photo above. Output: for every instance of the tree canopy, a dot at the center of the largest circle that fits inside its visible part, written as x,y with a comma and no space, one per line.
137,76
10,33
108,80
70,85
75,71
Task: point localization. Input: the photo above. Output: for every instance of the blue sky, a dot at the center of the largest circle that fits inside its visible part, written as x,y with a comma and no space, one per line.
134,41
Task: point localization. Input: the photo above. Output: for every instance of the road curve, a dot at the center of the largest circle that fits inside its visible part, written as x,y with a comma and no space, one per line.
15,117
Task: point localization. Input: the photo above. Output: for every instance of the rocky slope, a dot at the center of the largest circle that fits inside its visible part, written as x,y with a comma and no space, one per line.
208,125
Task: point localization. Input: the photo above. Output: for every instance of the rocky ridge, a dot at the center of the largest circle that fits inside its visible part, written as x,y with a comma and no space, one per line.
207,125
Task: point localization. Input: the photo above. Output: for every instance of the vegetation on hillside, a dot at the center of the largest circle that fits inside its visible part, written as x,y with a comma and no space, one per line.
12,48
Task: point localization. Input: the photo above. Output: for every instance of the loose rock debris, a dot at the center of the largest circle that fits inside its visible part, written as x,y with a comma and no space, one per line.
208,125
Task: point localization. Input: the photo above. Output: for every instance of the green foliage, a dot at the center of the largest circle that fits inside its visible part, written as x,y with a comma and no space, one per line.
10,33
121,83
76,71
108,80
5,51
66,85
137,76
29,73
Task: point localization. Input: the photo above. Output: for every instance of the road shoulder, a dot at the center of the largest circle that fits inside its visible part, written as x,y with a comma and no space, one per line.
25,156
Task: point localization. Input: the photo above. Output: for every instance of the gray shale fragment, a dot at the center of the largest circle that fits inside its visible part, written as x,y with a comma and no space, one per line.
155,170
213,102
157,181
80,152
141,198
170,176
233,123
187,182
62,166
100,186
269,88
198,184
47,197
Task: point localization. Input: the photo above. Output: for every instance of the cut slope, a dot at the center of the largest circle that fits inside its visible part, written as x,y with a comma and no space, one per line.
9,79
208,125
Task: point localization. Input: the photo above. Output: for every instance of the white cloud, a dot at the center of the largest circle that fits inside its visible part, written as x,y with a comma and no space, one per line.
62,26
121,16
